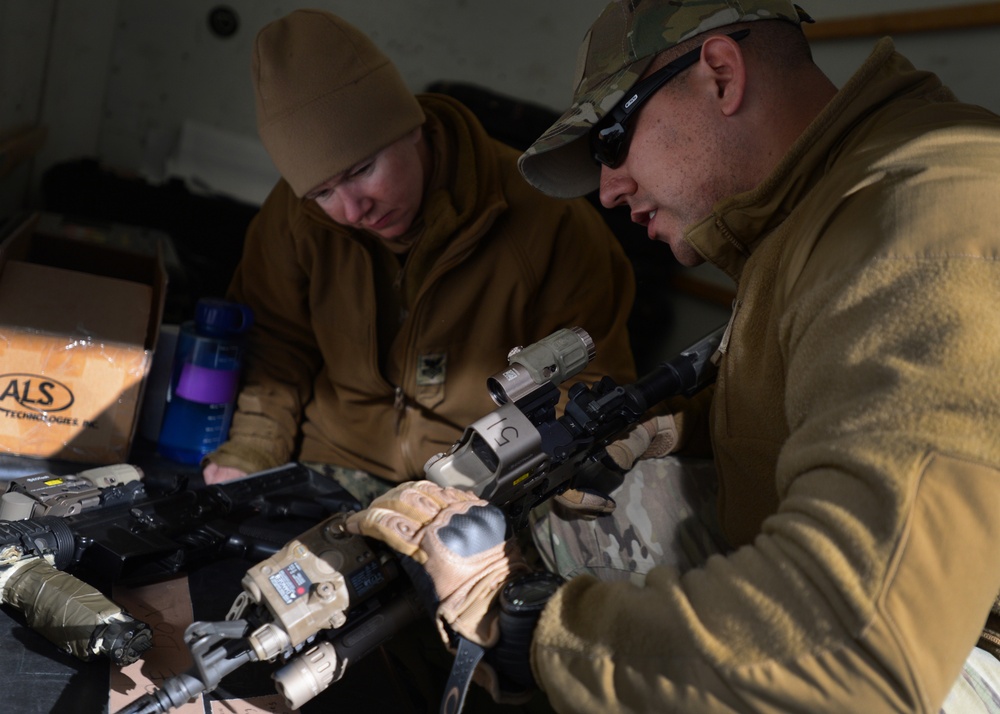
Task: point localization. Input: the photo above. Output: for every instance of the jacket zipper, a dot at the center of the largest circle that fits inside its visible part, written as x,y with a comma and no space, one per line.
449,261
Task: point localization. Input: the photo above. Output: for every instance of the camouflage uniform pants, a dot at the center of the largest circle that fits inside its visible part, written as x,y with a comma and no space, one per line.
665,515
360,484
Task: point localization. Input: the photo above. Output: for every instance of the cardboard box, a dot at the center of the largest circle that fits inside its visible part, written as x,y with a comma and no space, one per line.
79,324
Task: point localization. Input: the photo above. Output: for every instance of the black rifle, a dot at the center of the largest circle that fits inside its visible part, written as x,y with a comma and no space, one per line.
521,454
51,566
516,457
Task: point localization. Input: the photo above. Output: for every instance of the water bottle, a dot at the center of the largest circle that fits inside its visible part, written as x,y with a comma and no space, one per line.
204,381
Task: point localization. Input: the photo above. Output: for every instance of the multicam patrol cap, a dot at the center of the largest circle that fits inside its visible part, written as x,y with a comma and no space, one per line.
615,53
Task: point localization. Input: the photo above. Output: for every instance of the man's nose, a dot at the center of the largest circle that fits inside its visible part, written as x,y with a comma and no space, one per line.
615,187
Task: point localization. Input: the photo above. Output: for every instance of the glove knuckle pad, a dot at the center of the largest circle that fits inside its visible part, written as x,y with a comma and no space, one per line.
472,530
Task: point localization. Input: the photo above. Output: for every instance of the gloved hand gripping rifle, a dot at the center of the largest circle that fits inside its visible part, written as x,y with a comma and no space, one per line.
329,597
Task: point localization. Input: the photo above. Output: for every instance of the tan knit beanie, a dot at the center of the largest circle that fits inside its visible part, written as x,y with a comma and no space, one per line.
326,97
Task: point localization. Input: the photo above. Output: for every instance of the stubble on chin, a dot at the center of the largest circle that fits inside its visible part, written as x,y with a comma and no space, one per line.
684,253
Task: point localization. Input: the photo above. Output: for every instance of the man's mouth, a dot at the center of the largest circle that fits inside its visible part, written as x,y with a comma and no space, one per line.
643,218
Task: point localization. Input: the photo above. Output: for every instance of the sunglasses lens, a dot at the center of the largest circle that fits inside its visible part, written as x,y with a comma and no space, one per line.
606,144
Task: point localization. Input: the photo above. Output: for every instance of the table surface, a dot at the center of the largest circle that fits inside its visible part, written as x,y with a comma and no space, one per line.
37,678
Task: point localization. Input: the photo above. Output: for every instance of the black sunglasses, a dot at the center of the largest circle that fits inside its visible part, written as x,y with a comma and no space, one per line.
609,136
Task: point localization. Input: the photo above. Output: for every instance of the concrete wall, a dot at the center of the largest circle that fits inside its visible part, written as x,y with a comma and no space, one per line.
116,79
24,42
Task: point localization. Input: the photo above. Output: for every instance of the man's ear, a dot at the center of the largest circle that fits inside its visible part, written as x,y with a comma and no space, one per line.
727,67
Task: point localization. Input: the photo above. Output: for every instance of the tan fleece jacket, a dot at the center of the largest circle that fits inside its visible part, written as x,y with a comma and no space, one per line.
357,362
855,428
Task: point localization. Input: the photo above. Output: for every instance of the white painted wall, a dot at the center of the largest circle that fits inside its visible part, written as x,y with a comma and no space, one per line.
116,79
161,64
966,60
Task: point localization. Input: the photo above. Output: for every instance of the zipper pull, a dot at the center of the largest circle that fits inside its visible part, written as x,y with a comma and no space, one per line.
724,342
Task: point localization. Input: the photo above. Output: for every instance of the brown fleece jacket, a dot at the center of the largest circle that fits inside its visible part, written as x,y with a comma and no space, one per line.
854,425
334,376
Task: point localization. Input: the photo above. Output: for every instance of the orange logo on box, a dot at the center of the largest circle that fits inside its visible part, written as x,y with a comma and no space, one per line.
35,392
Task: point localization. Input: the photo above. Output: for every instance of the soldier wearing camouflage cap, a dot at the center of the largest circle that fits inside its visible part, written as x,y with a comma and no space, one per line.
616,52
852,426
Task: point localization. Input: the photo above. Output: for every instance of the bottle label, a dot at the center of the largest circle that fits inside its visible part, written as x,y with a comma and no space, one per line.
206,385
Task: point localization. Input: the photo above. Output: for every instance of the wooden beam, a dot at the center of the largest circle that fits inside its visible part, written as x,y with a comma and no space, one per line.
899,23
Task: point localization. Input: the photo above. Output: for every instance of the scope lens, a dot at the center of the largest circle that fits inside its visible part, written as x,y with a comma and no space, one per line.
497,392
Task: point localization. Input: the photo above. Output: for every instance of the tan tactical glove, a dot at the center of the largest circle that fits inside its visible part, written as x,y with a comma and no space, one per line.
648,440
459,539
585,503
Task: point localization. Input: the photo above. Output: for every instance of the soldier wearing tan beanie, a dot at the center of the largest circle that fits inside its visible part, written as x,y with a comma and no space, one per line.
393,267
326,97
